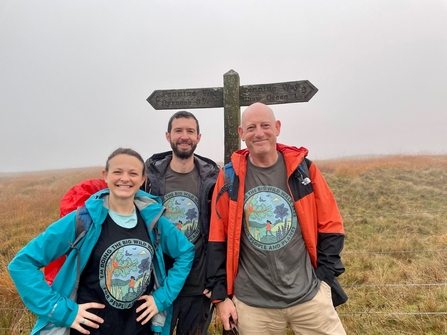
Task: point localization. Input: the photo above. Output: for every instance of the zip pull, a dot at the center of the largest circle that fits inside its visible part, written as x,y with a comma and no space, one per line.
303,178
306,181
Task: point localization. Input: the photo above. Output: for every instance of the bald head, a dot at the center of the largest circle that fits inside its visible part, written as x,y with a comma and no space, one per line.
259,130
257,108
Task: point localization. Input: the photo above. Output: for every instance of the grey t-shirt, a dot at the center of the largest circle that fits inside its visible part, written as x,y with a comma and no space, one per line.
275,270
182,209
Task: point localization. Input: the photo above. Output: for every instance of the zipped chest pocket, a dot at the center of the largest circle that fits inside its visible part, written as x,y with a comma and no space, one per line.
300,184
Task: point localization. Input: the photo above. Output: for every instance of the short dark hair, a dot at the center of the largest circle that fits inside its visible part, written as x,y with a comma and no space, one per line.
124,151
182,114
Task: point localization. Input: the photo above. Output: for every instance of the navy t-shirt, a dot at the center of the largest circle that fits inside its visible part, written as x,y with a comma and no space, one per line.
118,272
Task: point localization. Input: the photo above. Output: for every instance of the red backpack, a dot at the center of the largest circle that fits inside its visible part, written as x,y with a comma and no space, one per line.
71,201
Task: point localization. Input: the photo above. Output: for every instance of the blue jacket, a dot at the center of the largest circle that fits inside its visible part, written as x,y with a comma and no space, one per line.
52,304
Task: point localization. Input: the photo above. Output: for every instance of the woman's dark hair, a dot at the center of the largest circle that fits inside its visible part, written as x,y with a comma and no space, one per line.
124,151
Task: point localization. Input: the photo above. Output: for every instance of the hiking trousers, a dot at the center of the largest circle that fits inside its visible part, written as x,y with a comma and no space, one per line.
314,317
189,314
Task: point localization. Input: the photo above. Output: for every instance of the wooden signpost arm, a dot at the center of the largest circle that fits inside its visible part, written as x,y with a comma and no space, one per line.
231,97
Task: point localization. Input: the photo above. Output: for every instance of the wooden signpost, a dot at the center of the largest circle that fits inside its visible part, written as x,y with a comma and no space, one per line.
231,97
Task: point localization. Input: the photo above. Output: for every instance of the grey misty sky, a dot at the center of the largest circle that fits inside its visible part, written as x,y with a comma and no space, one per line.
75,75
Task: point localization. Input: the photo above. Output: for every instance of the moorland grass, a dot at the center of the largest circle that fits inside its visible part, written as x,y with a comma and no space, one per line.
394,209
28,203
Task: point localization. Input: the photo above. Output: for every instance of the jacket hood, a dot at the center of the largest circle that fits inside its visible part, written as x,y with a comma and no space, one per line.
97,204
162,155
159,162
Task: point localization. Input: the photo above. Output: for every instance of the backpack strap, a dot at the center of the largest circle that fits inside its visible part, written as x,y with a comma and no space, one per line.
228,185
229,176
157,235
83,222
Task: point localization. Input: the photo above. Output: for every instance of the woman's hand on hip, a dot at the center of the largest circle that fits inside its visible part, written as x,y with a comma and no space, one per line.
148,309
85,318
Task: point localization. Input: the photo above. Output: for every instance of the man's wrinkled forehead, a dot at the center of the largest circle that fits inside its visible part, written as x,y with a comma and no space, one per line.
257,113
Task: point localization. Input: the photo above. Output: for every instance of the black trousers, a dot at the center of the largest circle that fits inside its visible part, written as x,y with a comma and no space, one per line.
190,314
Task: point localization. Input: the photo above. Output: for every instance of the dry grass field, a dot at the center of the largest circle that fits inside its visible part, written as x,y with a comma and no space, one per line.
395,213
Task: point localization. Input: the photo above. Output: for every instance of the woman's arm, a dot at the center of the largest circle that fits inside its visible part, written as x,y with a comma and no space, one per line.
25,271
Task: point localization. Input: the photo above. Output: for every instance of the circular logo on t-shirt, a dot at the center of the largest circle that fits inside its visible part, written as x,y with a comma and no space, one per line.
125,271
270,218
183,211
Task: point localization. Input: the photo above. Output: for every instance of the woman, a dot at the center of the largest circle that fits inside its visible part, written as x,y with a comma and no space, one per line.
123,284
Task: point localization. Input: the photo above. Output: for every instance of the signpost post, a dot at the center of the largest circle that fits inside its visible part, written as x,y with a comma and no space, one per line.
231,97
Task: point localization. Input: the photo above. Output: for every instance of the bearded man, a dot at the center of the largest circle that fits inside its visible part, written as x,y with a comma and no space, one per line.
185,182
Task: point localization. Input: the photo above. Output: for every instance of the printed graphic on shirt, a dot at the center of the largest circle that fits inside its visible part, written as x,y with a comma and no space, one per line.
183,211
270,218
125,271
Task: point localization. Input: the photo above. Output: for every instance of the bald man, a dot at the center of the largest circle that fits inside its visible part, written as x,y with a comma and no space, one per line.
263,282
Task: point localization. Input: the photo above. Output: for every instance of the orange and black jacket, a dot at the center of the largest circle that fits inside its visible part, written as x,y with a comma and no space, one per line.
318,215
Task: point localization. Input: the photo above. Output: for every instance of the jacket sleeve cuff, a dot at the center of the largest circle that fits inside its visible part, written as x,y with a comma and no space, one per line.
218,294
324,274
160,305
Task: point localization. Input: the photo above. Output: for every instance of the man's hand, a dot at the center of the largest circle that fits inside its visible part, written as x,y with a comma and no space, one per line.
226,311
207,293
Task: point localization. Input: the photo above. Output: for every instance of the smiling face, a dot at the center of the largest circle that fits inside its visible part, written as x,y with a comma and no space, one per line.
183,137
259,131
124,176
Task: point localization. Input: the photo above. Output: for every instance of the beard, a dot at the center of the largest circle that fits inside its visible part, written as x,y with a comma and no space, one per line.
183,154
